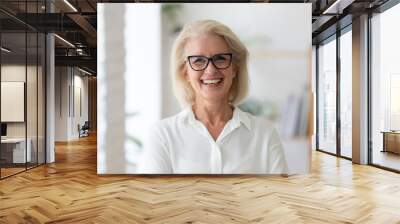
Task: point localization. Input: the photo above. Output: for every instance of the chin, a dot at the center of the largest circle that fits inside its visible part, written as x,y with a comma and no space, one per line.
214,96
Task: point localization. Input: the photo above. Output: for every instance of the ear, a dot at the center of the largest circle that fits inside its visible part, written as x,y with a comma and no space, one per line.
184,72
235,71
186,76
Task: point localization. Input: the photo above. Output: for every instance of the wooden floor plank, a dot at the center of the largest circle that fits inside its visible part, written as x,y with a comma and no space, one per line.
70,191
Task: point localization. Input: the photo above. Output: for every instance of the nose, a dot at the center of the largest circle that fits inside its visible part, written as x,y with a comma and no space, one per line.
210,69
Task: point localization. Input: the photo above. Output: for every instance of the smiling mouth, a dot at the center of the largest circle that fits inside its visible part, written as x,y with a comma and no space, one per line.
211,81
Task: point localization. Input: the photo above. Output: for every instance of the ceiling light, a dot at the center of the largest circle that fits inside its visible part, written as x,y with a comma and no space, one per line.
84,71
338,6
5,50
65,41
79,51
70,5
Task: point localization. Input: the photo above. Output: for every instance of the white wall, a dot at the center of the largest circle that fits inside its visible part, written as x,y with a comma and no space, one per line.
33,126
129,82
170,105
79,117
10,73
50,95
61,103
14,73
67,81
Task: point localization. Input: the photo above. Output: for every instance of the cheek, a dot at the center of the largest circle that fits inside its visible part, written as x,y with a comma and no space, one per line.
192,78
186,70
231,73
189,76
230,77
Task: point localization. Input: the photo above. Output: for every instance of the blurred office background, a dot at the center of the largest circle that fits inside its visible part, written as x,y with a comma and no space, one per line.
135,86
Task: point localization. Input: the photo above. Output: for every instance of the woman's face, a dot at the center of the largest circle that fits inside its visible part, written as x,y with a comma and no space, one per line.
212,83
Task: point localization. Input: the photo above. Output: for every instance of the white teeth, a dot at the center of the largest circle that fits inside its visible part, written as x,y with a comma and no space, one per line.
211,81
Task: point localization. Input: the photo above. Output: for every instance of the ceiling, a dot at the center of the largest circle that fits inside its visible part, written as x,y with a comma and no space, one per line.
76,22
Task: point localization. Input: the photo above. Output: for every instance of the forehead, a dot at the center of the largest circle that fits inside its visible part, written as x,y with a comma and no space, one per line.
206,45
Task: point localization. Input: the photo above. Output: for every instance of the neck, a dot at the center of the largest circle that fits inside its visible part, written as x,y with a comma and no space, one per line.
212,113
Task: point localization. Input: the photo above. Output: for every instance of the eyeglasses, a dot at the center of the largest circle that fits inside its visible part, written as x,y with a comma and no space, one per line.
200,63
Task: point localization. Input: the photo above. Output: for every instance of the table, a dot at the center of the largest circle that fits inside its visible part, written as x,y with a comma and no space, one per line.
391,141
13,150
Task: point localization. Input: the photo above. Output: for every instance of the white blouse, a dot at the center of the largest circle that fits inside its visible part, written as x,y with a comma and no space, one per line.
182,145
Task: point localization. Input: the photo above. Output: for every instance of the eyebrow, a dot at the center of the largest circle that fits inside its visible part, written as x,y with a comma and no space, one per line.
198,55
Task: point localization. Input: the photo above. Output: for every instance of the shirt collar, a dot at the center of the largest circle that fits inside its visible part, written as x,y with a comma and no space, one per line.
239,117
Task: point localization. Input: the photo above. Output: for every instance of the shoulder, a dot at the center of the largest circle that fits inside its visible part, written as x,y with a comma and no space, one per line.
256,123
169,124
266,131
263,124
261,129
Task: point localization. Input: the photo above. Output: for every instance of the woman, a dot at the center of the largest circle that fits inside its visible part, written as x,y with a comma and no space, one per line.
211,135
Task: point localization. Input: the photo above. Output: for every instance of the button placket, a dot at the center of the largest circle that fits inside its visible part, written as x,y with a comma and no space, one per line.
216,159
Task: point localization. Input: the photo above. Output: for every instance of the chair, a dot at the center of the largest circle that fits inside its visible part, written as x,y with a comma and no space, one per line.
84,130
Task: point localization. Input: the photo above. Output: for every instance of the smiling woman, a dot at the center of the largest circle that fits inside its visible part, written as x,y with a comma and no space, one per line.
211,134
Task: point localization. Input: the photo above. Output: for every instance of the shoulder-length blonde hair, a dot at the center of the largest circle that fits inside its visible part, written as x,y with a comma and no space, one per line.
182,89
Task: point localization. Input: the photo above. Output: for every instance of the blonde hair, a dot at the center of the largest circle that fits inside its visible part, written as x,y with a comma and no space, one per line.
182,89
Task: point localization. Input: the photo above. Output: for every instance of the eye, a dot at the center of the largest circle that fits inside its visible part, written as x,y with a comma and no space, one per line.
221,58
198,60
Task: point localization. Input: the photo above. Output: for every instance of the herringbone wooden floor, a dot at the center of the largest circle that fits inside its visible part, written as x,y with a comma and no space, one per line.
70,191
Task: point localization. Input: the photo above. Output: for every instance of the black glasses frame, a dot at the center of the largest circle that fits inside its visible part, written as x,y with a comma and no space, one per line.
212,61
